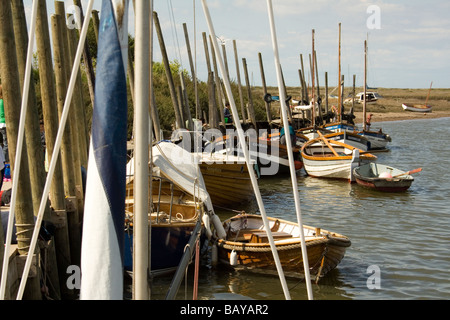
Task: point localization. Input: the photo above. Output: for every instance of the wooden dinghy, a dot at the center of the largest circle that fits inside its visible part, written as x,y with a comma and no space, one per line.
226,178
326,158
383,178
417,107
247,245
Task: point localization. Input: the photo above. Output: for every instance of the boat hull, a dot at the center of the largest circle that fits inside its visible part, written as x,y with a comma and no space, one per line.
369,176
168,245
325,158
228,184
377,139
325,249
417,107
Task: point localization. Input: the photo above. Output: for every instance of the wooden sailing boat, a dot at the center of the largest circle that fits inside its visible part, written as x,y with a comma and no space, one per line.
326,158
226,178
179,201
419,107
378,140
246,246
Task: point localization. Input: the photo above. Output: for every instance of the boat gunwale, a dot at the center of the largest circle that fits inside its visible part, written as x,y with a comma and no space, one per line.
364,155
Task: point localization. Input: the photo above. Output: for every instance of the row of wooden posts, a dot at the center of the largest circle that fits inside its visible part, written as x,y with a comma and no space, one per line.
66,192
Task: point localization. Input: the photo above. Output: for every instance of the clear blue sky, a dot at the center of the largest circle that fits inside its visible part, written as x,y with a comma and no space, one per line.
409,41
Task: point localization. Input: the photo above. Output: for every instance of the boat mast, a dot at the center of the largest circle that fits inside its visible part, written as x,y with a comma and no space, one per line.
240,133
339,80
428,96
141,158
365,86
289,147
312,93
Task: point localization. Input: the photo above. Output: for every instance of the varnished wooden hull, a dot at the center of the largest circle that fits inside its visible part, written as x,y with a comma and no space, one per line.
228,184
325,249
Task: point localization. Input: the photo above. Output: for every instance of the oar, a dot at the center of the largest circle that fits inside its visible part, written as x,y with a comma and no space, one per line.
408,172
327,143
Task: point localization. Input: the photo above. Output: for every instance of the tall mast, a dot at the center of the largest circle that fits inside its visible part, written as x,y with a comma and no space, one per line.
313,122
339,79
365,85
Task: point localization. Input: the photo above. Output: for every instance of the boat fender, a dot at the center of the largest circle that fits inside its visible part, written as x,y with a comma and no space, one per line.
385,175
206,223
233,258
218,226
355,163
214,255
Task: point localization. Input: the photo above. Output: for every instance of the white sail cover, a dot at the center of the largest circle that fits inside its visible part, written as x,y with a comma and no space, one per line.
181,167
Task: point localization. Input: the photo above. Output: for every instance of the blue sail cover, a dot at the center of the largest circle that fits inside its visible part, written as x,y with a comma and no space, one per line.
102,243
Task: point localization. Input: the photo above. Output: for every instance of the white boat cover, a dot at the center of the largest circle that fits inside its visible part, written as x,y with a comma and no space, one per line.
180,167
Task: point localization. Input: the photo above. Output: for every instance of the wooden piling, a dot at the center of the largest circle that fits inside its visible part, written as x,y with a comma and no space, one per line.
153,108
186,108
220,93
179,122
193,72
263,79
304,86
89,69
96,22
326,92
353,94
24,217
50,116
238,74
213,117
79,104
76,191
66,145
32,132
251,109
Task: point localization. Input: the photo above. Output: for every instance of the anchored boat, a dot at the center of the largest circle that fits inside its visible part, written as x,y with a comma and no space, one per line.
179,203
326,158
226,178
246,246
417,107
383,178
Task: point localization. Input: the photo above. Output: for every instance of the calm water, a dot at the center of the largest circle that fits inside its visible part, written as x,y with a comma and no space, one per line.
405,235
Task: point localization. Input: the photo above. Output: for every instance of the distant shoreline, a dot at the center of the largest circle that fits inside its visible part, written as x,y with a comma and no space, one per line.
397,116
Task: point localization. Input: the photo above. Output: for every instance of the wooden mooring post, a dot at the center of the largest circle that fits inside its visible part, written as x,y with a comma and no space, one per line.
61,64
12,94
50,117
251,109
238,74
263,79
33,138
173,94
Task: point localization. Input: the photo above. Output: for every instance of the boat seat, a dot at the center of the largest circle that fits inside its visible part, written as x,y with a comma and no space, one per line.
261,237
